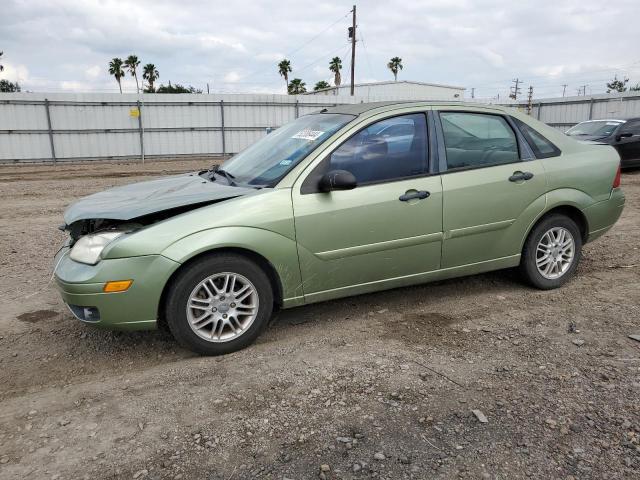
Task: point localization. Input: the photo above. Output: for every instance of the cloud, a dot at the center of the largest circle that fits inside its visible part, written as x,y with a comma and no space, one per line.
490,56
232,77
15,73
269,57
93,71
66,44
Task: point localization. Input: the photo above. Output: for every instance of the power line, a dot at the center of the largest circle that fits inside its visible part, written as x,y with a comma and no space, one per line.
299,47
366,54
560,78
316,36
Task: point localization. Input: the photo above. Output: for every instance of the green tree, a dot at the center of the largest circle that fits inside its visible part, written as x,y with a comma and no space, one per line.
335,65
617,85
131,63
177,88
8,87
1,66
395,65
296,87
150,74
115,69
321,85
635,88
284,68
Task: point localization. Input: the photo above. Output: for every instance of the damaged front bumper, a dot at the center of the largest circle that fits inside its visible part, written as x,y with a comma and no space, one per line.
81,287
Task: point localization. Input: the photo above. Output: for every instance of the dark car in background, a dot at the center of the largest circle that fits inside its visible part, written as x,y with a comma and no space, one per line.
623,135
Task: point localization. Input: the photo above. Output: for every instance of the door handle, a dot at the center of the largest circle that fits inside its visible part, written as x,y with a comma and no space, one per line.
519,176
419,195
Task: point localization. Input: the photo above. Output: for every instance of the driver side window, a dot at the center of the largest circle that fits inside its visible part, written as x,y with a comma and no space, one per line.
386,150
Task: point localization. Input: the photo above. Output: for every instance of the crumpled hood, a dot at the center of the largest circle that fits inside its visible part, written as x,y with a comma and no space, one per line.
138,199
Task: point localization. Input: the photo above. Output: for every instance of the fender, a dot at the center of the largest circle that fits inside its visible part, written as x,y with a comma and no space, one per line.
561,197
279,250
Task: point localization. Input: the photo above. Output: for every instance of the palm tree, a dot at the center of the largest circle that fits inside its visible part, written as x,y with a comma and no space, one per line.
321,85
1,66
335,65
132,63
284,67
395,65
297,86
115,69
150,74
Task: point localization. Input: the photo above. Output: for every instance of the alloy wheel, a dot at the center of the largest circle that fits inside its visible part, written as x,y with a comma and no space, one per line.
222,307
555,252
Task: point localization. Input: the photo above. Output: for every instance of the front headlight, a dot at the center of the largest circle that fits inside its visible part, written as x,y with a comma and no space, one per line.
88,248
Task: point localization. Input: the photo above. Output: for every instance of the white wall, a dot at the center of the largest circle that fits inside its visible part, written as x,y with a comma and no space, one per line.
397,91
99,126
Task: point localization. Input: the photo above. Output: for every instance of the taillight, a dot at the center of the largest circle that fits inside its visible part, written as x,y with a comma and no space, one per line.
616,181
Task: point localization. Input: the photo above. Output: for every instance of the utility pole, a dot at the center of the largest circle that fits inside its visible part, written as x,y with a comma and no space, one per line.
530,100
515,90
473,92
564,88
207,88
353,51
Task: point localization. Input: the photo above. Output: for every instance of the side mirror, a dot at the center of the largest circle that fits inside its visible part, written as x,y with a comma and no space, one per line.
620,136
337,180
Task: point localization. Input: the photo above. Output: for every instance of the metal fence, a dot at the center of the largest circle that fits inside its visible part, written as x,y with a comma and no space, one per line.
64,127
563,113
37,127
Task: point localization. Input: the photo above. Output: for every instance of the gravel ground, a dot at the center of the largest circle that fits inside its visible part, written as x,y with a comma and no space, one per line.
480,377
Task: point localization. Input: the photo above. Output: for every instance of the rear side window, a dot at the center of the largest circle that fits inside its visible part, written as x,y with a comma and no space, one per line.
476,140
542,148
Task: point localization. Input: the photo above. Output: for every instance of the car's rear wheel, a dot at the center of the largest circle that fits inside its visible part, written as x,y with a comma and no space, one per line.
219,304
551,253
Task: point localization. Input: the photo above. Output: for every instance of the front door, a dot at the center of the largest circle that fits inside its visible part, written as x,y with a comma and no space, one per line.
490,195
388,228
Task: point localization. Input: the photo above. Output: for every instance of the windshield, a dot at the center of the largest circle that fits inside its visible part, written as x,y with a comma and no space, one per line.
603,128
268,160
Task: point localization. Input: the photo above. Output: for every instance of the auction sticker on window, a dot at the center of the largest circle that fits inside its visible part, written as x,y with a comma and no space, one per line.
308,134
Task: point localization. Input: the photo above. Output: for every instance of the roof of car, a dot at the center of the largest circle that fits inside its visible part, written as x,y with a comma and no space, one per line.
360,108
608,120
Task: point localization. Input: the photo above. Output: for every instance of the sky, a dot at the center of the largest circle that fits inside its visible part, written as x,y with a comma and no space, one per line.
234,46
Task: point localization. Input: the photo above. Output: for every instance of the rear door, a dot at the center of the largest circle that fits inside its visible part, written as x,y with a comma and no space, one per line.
492,187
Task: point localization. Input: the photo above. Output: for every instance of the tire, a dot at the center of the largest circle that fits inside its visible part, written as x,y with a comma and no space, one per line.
198,298
546,236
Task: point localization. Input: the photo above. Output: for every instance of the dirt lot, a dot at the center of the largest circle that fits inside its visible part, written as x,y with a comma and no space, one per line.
378,386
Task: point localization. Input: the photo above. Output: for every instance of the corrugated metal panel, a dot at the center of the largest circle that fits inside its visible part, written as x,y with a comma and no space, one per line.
100,125
24,147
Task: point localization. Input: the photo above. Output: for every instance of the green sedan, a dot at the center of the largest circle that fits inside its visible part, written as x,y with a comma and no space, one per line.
350,200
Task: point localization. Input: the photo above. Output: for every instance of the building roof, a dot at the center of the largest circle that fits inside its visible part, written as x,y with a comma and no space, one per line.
373,84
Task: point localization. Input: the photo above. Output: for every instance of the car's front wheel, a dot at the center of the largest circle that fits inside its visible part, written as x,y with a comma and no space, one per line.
551,252
218,304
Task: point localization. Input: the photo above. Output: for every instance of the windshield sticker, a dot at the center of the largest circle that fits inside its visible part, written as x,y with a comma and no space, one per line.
308,134
285,163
